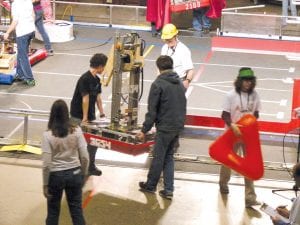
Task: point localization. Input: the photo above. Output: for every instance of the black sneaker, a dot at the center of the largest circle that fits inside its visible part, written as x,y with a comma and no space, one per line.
166,194
144,188
206,30
95,172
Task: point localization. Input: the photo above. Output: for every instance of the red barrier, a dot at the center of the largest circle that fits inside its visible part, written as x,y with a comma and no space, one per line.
117,145
223,149
265,126
37,55
262,45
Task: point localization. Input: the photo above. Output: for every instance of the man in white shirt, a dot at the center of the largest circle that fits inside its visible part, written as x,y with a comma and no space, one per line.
243,99
180,54
23,23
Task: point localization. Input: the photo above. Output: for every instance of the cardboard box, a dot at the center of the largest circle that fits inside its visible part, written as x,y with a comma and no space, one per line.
7,61
6,71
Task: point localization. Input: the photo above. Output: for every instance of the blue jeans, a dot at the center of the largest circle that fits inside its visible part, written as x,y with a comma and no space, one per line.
285,7
163,160
39,23
71,181
23,66
285,10
200,20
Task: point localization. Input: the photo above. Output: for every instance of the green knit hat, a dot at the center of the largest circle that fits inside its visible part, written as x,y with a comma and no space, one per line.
246,73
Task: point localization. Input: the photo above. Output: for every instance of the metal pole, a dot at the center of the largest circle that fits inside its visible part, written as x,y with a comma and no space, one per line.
245,7
137,16
116,82
298,147
53,9
280,31
25,131
110,16
222,24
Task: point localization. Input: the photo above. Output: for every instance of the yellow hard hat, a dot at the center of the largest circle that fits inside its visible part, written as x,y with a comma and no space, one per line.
169,30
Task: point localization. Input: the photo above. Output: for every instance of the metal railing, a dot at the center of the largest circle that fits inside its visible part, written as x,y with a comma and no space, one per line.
23,115
26,115
255,25
84,13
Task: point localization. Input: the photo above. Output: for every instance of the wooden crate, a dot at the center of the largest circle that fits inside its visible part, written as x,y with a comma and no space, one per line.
7,61
6,71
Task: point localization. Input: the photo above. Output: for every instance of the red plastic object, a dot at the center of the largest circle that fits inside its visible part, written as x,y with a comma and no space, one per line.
251,165
116,145
37,55
188,5
254,44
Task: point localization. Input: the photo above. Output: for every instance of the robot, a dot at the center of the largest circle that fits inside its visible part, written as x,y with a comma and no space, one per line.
125,71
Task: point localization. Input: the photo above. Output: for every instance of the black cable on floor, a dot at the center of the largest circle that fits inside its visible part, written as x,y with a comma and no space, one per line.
283,152
95,46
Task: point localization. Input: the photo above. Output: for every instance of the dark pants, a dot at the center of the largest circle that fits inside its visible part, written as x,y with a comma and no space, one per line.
23,65
163,160
71,181
39,23
92,150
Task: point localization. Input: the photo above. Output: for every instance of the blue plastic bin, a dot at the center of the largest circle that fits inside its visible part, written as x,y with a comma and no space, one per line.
7,78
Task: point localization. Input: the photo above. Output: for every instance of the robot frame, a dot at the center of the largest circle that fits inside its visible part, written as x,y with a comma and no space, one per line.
125,70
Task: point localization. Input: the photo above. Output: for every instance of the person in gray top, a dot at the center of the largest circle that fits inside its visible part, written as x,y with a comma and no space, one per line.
65,164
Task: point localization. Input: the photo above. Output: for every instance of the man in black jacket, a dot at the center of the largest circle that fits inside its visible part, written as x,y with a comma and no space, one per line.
167,110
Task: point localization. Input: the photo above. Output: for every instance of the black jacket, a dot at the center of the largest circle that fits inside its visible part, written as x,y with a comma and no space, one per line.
166,104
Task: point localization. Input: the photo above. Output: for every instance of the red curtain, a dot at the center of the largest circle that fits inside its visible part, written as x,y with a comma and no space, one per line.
158,12
215,10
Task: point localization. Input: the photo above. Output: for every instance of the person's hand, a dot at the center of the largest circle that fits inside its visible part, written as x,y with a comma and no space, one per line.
186,84
236,130
102,115
283,211
5,36
45,191
140,136
85,179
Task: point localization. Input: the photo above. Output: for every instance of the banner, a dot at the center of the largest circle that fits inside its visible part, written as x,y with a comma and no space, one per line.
215,10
